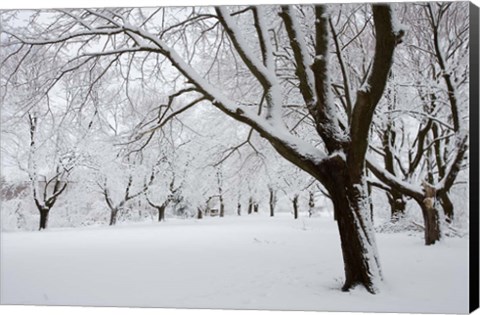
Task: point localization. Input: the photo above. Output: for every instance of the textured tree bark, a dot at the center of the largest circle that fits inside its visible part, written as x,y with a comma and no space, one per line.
359,255
43,218
350,202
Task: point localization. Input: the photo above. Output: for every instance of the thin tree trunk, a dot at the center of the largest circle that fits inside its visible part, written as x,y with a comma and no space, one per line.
222,208
311,203
370,203
272,202
250,205
239,209
43,218
295,207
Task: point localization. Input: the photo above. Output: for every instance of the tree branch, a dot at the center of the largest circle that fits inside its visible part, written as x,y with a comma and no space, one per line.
369,95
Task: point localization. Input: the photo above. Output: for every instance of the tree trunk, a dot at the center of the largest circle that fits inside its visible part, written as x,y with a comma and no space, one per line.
113,216
43,218
357,240
311,203
431,221
397,205
255,207
447,206
295,207
222,208
199,213
350,203
272,202
370,203
430,213
239,209
161,213
250,205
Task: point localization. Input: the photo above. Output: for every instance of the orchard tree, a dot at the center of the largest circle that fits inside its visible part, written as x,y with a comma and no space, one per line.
121,185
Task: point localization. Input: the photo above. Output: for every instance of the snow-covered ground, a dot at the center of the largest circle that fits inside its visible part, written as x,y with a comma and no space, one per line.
248,262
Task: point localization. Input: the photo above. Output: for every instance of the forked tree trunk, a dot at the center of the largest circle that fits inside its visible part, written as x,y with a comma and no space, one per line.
161,213
113,216
255,207
295,207
44,218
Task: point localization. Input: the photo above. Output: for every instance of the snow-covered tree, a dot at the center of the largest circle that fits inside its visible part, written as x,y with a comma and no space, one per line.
274,74
436,151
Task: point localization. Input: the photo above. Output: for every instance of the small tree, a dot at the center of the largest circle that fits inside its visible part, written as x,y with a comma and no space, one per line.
46,189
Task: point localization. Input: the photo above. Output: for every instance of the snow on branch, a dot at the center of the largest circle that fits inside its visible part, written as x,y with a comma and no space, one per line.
291,147
257,68
265,73
67,37
393,181
294,148
313,75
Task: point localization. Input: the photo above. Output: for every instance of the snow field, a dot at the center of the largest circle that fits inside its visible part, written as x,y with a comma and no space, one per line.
248,262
